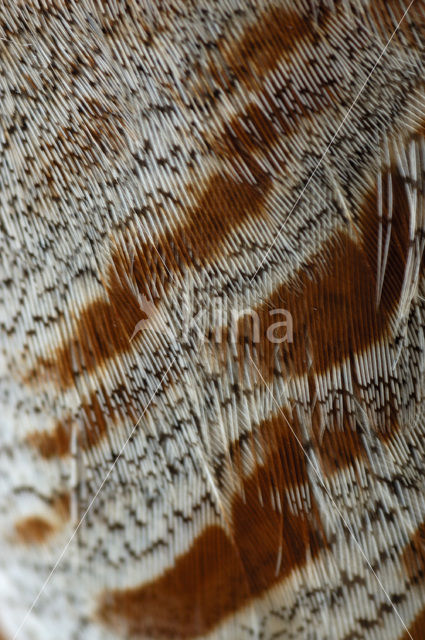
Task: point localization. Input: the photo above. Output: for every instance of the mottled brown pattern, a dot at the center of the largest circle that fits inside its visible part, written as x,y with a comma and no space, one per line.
333,308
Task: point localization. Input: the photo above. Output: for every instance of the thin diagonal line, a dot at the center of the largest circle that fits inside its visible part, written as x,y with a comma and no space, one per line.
64,550
332,500
332,141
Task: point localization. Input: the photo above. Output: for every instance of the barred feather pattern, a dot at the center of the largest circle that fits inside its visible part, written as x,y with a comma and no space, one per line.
171,173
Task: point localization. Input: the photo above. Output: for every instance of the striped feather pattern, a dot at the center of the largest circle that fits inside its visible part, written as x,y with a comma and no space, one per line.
176,460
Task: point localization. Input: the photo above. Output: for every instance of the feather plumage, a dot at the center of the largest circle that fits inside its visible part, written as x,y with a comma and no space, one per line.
183,183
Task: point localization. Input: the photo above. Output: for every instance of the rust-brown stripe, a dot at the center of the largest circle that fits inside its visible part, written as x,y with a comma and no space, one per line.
205,583
263,531
103,329
273,36
337,441
219,575
332,299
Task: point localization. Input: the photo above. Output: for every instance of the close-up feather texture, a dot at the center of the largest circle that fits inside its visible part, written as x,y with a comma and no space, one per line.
212,314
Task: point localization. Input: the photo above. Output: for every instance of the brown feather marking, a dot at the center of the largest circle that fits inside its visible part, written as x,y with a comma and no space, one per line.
54,443
206,582
334,313
417,628
62,505
337,444
387,15
275,35
33,529
414,555
37,529
273,540
339,448
216,576
104,328
333,307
